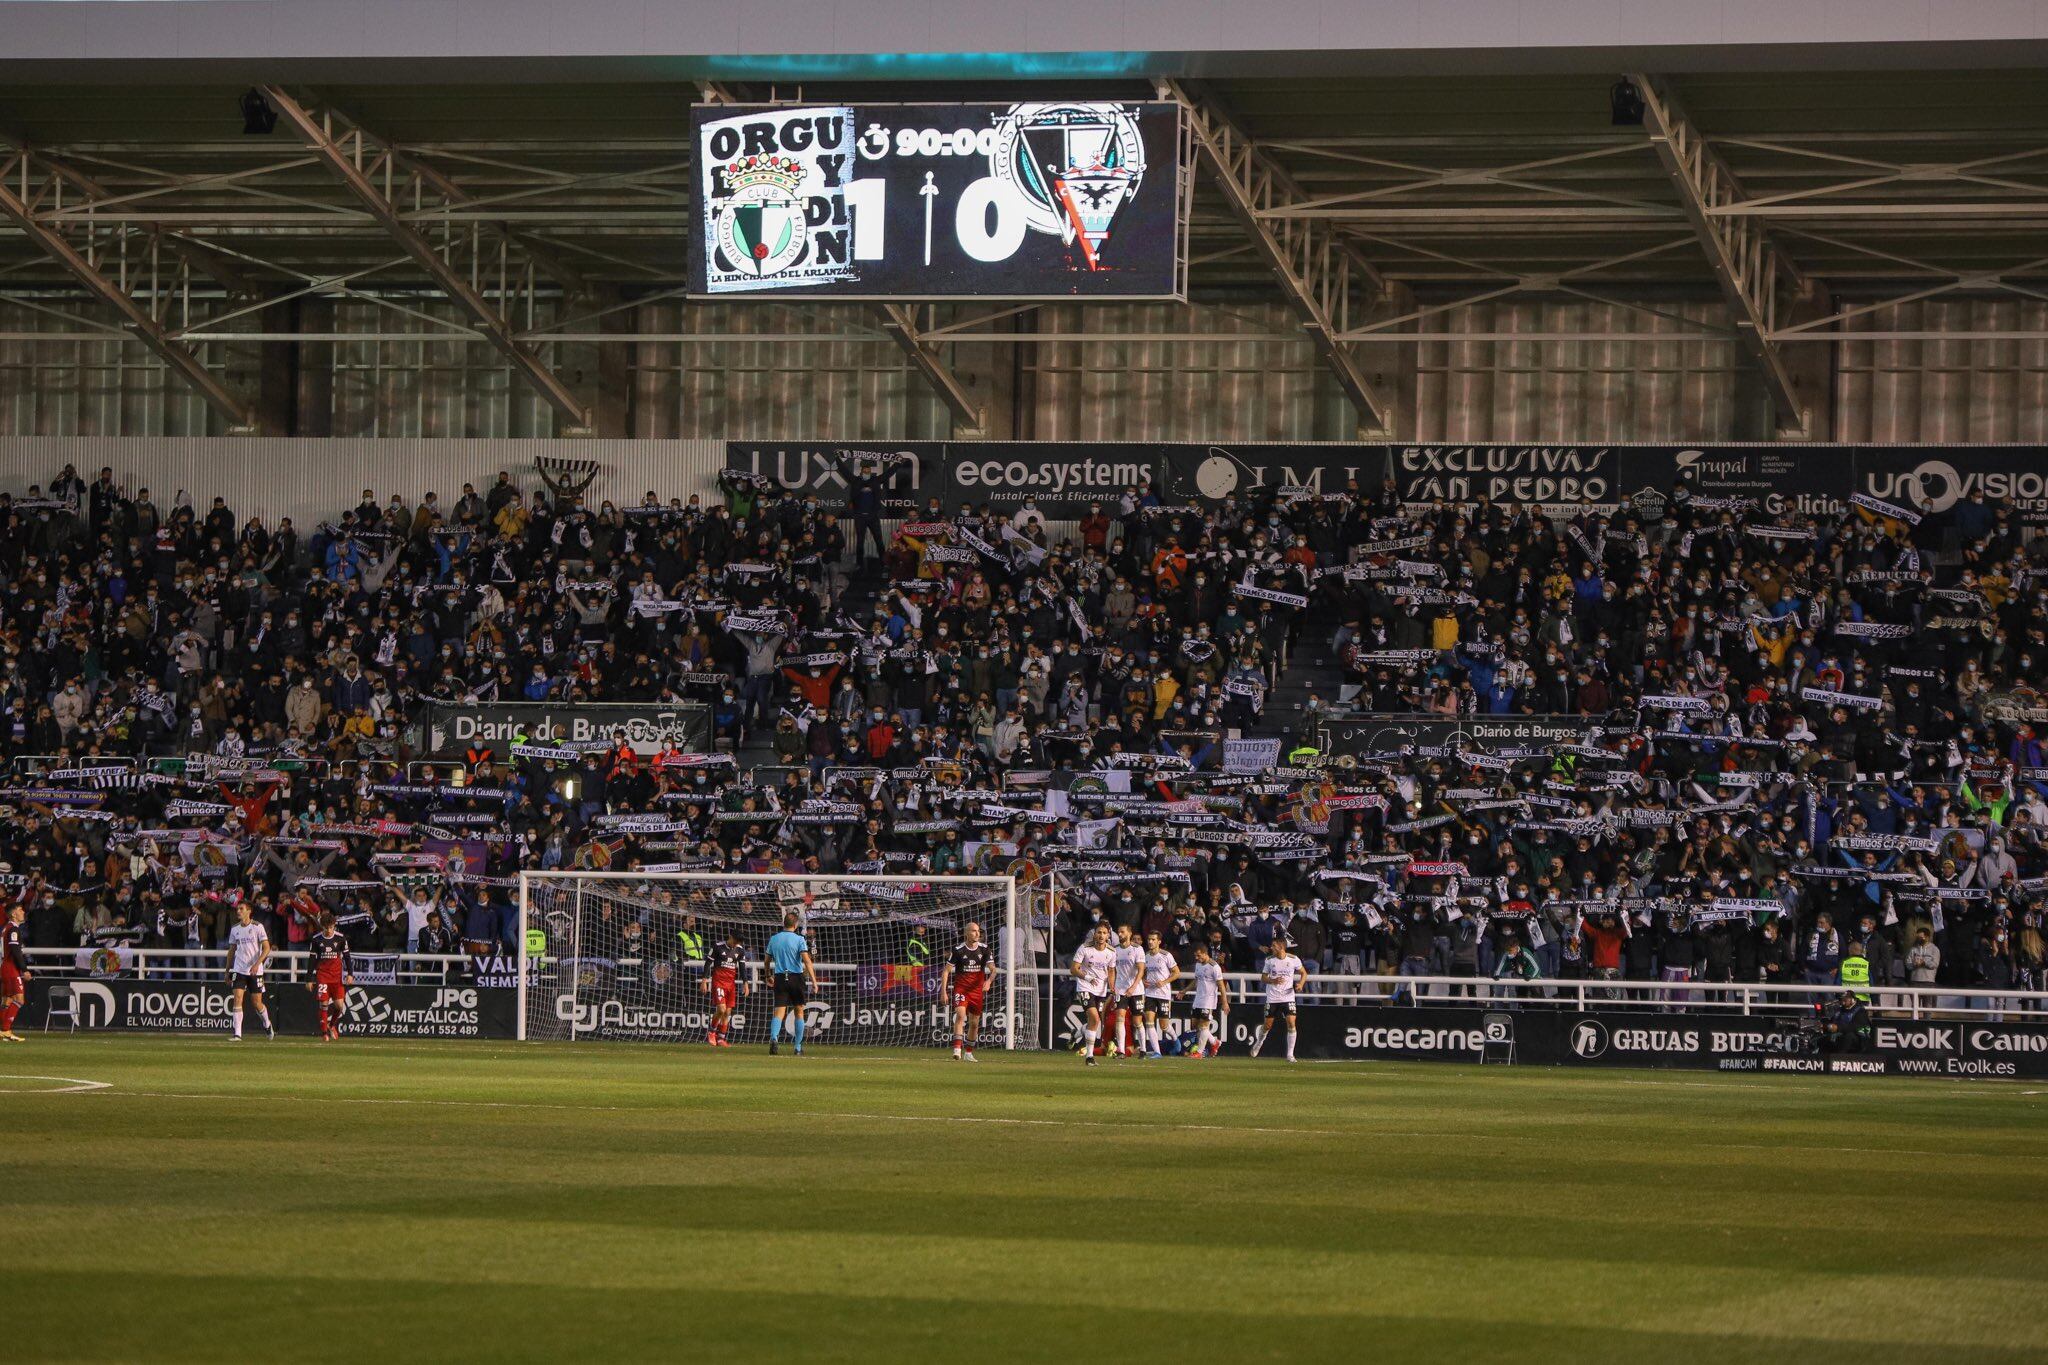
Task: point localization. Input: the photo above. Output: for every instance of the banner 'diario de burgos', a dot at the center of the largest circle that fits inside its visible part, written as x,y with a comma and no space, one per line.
1063,479
451,729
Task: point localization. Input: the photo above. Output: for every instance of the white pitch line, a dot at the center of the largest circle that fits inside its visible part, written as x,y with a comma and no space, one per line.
1736,1084
102,1087
768,1113
1866,1151
368,1099
1064,1123
72,1085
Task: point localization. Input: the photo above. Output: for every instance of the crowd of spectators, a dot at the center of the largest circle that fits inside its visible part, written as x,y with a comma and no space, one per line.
1783,738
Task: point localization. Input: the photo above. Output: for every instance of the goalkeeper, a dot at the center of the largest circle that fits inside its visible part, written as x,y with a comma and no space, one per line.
789,958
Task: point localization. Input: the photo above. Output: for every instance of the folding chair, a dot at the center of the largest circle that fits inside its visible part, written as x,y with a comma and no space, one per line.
62,1002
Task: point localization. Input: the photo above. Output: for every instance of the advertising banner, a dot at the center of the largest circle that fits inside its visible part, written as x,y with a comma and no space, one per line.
1499,1030
451,729
1722,1042
1052,199
1561,475
1503,1030
1940,477
1210,472
1386,734
374,1011
1063,478
614,1010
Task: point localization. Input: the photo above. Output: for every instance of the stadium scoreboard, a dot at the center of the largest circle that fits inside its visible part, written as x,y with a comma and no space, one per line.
1054,199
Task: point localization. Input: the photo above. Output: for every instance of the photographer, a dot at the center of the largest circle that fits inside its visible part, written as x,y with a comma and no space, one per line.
1844,1023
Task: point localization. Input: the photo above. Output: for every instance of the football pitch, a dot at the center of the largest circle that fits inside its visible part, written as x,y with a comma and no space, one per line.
422,1201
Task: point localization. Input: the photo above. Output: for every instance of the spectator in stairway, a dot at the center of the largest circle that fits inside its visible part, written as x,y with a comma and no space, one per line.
1821,955
1923,959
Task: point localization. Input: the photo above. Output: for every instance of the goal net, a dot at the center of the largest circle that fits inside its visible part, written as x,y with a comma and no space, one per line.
622,955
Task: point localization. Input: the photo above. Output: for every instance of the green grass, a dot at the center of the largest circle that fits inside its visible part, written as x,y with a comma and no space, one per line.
375,1201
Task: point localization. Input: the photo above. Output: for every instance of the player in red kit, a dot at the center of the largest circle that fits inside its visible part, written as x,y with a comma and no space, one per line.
14,973
970,970
331,978
723,961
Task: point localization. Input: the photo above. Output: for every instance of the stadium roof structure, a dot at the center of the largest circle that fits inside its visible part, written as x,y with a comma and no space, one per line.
492,153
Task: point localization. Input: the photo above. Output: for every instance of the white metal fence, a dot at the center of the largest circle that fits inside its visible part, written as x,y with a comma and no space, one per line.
1914,1002
200,964
1321,989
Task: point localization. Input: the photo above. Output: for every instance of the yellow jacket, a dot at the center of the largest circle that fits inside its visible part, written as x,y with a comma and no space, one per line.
1164,689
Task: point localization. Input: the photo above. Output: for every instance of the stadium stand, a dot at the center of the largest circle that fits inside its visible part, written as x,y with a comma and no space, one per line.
1681,742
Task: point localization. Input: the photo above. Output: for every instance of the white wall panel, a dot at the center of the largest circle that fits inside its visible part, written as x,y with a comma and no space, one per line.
101,388
1965,389
1630,390
853,384
1237,387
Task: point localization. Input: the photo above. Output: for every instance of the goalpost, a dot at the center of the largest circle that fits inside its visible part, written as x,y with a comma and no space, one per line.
620,955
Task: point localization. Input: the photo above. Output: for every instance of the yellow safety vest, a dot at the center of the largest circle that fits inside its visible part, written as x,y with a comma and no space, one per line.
536,943
693,945
1856,974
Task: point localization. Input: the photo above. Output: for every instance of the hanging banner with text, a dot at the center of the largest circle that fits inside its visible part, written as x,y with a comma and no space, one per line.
1389,735
452,729
1064,479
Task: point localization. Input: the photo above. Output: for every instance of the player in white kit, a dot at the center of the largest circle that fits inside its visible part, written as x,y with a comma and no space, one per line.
1092,966
1161,971
1211,999
1283,975
1130,993
248,952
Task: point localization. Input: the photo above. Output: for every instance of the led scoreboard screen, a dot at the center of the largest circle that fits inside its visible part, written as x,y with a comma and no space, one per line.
1048,200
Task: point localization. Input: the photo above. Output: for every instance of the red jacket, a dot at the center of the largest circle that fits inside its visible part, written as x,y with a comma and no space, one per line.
881,738
1603,946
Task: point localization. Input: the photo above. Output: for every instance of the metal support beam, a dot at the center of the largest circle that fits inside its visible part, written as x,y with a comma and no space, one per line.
537,249
16,205
344,155
1747,263
899,320
1318,270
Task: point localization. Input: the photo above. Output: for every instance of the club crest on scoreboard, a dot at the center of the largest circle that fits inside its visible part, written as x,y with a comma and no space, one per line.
1074,166
774,187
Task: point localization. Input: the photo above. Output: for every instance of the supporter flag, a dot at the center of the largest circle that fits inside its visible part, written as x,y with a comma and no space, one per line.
1877,512
108,959
895,978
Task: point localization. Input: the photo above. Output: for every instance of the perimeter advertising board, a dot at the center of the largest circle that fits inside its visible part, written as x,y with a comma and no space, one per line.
1700,1040
374,1011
